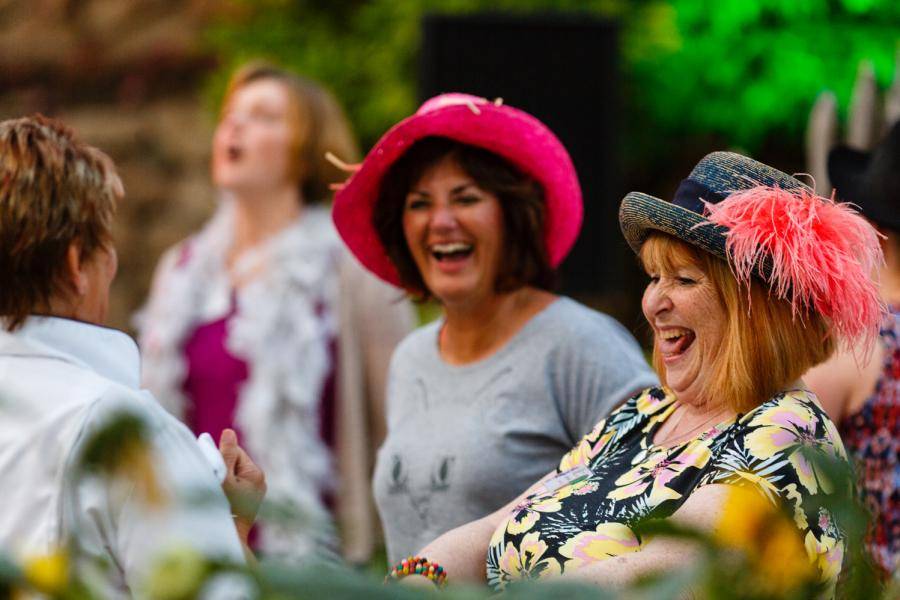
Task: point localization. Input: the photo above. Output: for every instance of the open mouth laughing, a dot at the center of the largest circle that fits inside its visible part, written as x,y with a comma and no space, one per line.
451,252
673,342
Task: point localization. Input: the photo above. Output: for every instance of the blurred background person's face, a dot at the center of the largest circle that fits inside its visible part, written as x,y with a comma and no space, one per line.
454,230
252,144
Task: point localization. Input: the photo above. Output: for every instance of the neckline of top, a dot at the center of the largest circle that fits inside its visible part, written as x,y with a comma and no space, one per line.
512,343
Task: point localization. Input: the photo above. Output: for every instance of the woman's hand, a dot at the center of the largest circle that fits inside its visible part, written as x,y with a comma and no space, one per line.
244,485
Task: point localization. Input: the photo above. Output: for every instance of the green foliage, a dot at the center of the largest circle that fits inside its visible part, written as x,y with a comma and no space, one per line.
738,563
105,451
366,52
739,68
746,69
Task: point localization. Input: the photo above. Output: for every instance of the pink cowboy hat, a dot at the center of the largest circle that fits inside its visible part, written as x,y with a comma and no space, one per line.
515,135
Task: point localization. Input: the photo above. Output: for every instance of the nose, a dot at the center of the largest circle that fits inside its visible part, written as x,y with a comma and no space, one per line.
442,217
233,120
656,300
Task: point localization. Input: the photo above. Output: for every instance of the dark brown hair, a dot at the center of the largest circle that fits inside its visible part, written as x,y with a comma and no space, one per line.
54,191
318,123
521,200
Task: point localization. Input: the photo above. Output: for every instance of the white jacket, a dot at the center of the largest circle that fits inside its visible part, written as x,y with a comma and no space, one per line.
60,382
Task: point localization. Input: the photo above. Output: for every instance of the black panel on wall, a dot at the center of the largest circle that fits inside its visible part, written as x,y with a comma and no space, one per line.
563,70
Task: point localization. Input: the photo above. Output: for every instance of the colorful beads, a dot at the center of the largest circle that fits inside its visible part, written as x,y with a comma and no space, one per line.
418,565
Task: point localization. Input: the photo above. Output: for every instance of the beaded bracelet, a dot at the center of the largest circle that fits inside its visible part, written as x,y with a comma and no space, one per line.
418,565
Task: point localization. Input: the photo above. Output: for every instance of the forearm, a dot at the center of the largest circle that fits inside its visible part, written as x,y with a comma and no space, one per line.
620,571
243,530
462,551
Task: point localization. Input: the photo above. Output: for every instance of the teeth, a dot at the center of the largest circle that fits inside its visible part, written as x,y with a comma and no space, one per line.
452,247
672,334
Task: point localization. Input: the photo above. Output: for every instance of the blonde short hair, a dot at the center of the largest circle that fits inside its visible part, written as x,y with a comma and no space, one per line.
318,124
54,191
765,347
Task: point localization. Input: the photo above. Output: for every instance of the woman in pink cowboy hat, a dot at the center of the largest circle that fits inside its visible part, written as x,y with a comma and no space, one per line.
752,280
474,204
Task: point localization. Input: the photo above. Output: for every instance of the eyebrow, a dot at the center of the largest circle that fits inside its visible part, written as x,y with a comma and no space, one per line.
458,189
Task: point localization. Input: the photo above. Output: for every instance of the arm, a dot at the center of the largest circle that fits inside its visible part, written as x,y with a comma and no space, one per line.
462,551
842,383
702,510
384,317
373,318
244,486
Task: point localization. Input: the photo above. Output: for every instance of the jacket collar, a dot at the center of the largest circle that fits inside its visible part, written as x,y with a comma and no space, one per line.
108,352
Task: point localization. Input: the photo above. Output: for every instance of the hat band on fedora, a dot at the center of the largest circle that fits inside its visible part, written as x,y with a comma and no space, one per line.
691,194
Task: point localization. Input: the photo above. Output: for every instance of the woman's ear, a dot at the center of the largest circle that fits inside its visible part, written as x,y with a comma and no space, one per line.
74,275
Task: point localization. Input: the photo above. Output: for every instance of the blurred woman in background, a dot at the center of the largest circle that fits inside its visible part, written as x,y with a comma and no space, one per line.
863,397
262,323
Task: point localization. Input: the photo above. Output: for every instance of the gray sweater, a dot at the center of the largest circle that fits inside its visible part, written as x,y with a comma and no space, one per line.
465,440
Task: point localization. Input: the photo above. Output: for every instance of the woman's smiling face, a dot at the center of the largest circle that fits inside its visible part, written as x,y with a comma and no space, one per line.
682,305
454,230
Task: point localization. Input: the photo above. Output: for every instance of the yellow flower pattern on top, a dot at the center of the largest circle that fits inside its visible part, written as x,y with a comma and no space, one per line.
631,479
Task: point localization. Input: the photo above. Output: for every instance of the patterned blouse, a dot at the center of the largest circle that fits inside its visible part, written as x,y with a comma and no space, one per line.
630,478
872,436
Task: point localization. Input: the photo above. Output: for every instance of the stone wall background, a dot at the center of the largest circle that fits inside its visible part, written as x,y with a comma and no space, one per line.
127,75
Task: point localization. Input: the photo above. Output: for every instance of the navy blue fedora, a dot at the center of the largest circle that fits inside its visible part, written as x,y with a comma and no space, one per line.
715,177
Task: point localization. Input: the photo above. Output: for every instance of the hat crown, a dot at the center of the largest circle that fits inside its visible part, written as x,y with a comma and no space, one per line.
727,172
454,99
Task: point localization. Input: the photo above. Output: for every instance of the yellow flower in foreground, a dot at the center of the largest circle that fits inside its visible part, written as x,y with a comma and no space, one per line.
784,562
49,573
743,519
135,464
176,574
769,538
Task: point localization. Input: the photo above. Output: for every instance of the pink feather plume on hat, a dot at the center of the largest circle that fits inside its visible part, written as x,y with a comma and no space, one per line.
823,254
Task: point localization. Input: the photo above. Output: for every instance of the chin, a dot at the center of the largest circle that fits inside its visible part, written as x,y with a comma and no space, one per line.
453,293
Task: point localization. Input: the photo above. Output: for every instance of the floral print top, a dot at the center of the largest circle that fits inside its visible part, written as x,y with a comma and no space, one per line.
629,479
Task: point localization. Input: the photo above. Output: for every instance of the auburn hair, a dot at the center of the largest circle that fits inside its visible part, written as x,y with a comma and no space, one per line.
765,346
54,191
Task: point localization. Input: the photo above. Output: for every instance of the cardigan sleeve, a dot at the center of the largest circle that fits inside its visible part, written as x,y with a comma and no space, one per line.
374,317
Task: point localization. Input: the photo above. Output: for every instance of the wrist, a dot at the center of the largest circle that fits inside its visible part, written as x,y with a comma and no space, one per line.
418,565
243,528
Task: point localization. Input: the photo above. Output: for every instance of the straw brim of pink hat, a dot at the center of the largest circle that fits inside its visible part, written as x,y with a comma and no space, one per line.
508,132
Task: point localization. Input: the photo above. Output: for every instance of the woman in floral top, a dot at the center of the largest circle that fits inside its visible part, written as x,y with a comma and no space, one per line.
739,311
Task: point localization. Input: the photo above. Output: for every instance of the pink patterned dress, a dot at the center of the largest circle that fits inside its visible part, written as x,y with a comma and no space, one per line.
872,437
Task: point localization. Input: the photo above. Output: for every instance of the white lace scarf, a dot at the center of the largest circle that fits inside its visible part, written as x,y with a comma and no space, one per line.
284,322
